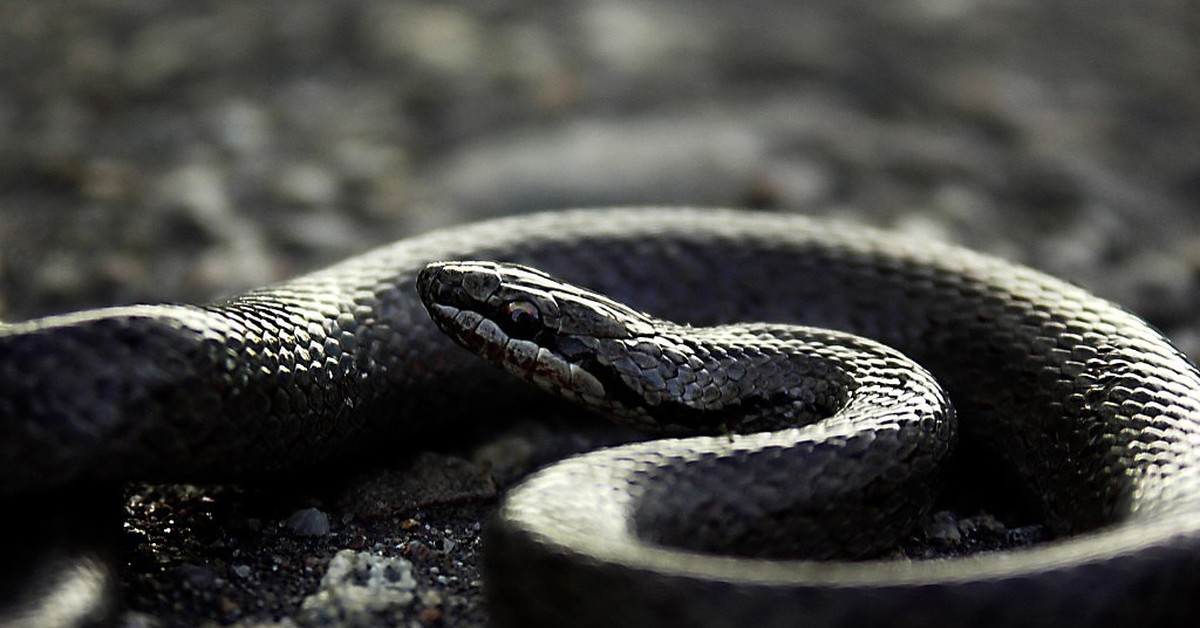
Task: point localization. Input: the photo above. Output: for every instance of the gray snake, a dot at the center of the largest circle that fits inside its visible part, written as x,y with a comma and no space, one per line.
1094,410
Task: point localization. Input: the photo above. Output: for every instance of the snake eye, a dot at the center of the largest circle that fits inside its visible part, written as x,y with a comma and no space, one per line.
521,318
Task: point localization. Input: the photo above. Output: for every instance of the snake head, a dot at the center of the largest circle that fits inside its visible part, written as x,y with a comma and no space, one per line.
523,302
536,327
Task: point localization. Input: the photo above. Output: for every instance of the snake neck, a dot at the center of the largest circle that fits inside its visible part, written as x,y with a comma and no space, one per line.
695,380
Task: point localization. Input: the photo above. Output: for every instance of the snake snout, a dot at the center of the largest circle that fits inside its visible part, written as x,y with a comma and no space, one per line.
460,284
432,283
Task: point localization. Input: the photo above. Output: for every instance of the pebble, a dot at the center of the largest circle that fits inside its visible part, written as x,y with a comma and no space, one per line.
631,38
198,576
308,522
361,589
307,184
942,527
439,37
683,158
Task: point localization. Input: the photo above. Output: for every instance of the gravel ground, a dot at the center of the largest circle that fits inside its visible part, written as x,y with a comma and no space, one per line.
163,151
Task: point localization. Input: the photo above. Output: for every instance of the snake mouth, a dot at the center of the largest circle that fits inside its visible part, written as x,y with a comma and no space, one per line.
456,295
523,358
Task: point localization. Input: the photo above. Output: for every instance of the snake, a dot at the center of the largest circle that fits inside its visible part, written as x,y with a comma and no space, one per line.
725,322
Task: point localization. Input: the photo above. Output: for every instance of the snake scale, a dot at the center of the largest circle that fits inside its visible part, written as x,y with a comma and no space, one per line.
1095,412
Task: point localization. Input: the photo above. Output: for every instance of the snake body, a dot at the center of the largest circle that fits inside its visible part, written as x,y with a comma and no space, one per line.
1093,409
849,434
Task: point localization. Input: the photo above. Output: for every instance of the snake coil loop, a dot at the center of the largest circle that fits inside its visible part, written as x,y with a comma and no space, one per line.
1093,409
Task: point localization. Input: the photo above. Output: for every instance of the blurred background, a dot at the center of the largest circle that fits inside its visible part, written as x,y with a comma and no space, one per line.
179,151
182,150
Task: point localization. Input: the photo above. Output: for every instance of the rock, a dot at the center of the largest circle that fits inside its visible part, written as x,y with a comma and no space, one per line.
361,589
308,522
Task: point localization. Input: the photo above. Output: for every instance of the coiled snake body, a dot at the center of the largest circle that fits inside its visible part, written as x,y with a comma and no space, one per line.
1094,410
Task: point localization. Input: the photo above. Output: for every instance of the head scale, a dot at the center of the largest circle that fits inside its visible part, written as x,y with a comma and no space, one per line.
534,326
526,304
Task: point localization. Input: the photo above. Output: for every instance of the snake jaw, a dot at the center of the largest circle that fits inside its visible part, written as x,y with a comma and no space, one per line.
524,359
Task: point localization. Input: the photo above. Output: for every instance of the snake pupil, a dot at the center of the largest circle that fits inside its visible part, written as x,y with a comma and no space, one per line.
522,318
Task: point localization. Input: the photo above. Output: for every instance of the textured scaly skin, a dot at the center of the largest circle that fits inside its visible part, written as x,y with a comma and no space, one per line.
1093,408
